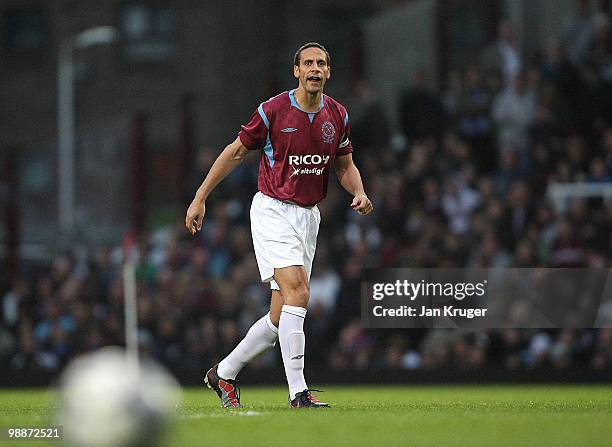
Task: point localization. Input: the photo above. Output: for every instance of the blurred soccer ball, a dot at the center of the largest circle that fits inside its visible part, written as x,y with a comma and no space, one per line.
105,403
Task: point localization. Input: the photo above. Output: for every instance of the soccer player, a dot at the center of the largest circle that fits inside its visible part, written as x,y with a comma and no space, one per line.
301,134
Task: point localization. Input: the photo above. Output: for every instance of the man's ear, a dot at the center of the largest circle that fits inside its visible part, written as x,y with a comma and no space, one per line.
328,72
296,71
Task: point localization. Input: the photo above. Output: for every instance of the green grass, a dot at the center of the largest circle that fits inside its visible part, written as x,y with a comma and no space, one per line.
515,416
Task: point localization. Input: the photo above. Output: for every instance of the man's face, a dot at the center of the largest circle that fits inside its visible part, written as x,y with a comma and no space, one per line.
313,71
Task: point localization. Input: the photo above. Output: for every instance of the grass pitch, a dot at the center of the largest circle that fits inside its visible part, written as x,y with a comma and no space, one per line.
372,415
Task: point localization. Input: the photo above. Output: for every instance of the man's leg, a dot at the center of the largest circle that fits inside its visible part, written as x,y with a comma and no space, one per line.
293,282
261,336
221,378
276,305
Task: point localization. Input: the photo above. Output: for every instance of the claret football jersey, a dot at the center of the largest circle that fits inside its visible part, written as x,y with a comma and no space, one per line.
298,147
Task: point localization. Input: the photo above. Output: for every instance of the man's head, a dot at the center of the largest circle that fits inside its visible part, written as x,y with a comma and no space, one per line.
311,66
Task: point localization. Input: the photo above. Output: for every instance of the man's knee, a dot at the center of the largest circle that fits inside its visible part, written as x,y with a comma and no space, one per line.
297,295
293,282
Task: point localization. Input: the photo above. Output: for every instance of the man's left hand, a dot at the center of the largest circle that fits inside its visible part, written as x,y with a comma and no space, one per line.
362,204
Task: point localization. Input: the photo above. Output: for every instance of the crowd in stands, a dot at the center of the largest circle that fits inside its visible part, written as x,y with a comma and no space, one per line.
465,186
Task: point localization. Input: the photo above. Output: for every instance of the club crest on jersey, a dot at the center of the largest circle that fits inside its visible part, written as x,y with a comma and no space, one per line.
328,131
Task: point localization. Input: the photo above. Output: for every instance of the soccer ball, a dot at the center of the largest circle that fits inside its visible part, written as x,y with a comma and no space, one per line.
104,402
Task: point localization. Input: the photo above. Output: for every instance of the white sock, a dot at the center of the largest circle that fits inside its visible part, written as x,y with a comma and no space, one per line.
293,342
261,336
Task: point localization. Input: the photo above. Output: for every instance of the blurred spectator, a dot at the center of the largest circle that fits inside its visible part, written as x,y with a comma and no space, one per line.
421,113
452,96
537,355
12,301
567,249
600,52
579,31
562,351
369,126
503,56
514,111
475,122
324,288
458,203
517,215
602,357
353,348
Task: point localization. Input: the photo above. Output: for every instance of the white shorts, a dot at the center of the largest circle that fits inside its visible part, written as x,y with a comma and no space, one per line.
283,235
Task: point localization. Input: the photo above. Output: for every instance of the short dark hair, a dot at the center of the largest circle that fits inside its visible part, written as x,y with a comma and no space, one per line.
296,58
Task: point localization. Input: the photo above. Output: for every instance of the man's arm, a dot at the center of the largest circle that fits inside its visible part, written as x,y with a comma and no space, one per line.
350,179
226,162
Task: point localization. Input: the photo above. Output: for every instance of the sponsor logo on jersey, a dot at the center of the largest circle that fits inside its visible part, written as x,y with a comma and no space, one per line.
328,131
298,162
288,129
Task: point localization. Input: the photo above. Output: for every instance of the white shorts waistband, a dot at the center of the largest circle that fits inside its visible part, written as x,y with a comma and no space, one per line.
287,202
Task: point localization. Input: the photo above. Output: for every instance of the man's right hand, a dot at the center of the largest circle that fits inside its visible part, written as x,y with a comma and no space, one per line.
195,216
225,163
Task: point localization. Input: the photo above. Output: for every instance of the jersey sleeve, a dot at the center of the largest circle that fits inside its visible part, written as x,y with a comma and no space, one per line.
254,133
345,147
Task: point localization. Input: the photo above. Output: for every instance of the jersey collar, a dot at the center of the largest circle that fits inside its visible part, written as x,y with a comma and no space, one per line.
295,104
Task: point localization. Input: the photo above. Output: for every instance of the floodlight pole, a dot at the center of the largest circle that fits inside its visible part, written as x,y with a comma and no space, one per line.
65,122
